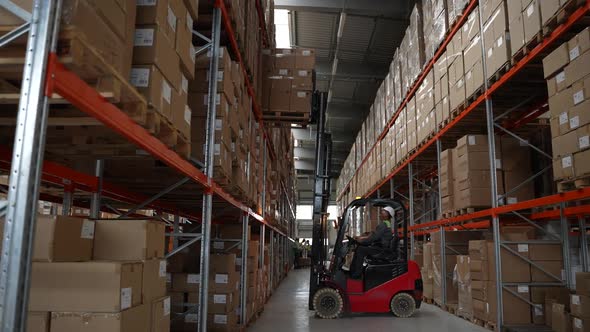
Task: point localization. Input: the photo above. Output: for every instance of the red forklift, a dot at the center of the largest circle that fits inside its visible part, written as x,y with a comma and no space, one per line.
389,281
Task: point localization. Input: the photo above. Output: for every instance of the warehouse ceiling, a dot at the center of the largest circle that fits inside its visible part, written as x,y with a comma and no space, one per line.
354,41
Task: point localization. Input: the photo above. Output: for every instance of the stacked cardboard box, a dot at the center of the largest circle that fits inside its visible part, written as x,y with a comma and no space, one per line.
580,303
425,114
496,35
224,296
123,288
412,54
566,71
455,9
287,84
471,38
441,90
435,23
462,274
456,71
428,271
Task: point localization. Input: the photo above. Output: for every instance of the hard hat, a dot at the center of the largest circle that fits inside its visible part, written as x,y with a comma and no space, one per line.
389,210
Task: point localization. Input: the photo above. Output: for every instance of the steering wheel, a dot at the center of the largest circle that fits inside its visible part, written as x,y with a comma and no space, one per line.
351,239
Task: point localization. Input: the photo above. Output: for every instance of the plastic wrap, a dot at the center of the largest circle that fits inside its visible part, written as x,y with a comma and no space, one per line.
455,9
397,81
415,55
435,25
462,279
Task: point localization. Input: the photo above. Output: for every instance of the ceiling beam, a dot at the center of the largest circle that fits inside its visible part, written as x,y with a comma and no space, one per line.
359,7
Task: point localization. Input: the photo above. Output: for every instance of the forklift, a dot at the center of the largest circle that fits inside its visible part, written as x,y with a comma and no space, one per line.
389,281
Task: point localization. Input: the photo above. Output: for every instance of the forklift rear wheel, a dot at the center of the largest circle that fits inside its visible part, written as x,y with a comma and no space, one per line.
403,305
328,303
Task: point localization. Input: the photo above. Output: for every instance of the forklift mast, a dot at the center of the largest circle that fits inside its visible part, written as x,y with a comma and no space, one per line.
321,195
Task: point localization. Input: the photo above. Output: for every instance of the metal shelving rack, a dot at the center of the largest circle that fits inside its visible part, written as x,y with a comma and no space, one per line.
43,76
553,207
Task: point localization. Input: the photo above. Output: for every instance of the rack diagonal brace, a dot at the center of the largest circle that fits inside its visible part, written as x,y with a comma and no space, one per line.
539,267
15,10
14,34
155,197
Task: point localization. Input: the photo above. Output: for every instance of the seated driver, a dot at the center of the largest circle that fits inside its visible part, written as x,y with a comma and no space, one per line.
374,243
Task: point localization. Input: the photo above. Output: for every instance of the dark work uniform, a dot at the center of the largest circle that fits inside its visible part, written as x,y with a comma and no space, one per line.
372,245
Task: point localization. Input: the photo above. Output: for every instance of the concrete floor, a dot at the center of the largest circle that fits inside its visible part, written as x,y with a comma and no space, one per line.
286,311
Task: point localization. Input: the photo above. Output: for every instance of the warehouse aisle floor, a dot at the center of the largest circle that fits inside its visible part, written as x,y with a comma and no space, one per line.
286,311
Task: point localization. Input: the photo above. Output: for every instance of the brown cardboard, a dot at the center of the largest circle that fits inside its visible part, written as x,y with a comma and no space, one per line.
305,58
160,315
61,239
112,286
222,322
532,20
224,282
557,83
158,12
193,8
154,280
560,319
37,321
300,101
134,319
128,239
472,143
478,250
582,163
580,324
181,114
222,303
580,305
583,283
153,47
548,9
556,60
150,82
563,167
223,263
186,282
553,267
545,252
577,69
579,44
516,27
203,60
184,43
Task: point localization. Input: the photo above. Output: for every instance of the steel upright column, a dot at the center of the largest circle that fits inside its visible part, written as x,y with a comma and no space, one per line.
25,173
411,209
176,230
565,245
66,207
493,183
209,166
583,243
443,245
271,253
244,271
95,201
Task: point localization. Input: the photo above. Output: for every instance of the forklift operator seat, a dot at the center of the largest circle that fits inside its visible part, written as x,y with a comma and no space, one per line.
387,255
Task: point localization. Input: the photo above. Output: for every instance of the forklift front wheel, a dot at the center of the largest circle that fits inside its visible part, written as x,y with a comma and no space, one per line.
328,303
403,305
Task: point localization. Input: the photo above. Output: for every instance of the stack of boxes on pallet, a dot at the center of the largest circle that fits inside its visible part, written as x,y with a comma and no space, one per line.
472,287
465,173
579,305
510,30
567,72
89,275
287,84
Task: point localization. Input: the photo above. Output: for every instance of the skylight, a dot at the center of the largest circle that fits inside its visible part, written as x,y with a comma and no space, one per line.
282,28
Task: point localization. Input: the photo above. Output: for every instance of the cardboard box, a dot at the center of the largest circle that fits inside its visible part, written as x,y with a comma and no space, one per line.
153,47
181,116
223,263
553,267
160,315
184,42
158,12
577,69
112,286
583,283
560,319
224,282
548,9
186,282
37,321
580,305
532,20
222,322
128,240
580,324
516,311
556,60
300,101
150,82
133,319
222,303
154,280
61,239
304,58
545,252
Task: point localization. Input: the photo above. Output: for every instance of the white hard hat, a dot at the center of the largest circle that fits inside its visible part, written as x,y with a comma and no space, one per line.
389,210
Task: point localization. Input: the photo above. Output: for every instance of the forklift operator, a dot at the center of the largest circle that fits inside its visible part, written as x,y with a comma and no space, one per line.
374,243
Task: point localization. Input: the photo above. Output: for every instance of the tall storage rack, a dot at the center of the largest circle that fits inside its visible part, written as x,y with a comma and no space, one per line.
405,178
43,76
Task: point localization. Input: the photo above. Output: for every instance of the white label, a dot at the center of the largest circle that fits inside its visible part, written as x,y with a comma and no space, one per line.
169,278
578,323
578,97
523,248
574,53
563,119
143,37
238,261
574,122
140,77
523,289
126,296
189,22
286,51
284,72
184,84
191,318
539,310
530,10
302,73
471,140
193,278
301,94
469,75
87,231
221,278
171,19
218,244
490,53
584,142
220,319
162,269
166,306
576,299
187,114
146,2
306,52
466,28
166,92
220,298
512,200
560,77
218,124
500,41
566,162
498,163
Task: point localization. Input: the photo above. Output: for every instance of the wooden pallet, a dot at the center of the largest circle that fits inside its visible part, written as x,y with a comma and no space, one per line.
574,183
428,300
526,48
561,16
473,97
499,73
485,324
